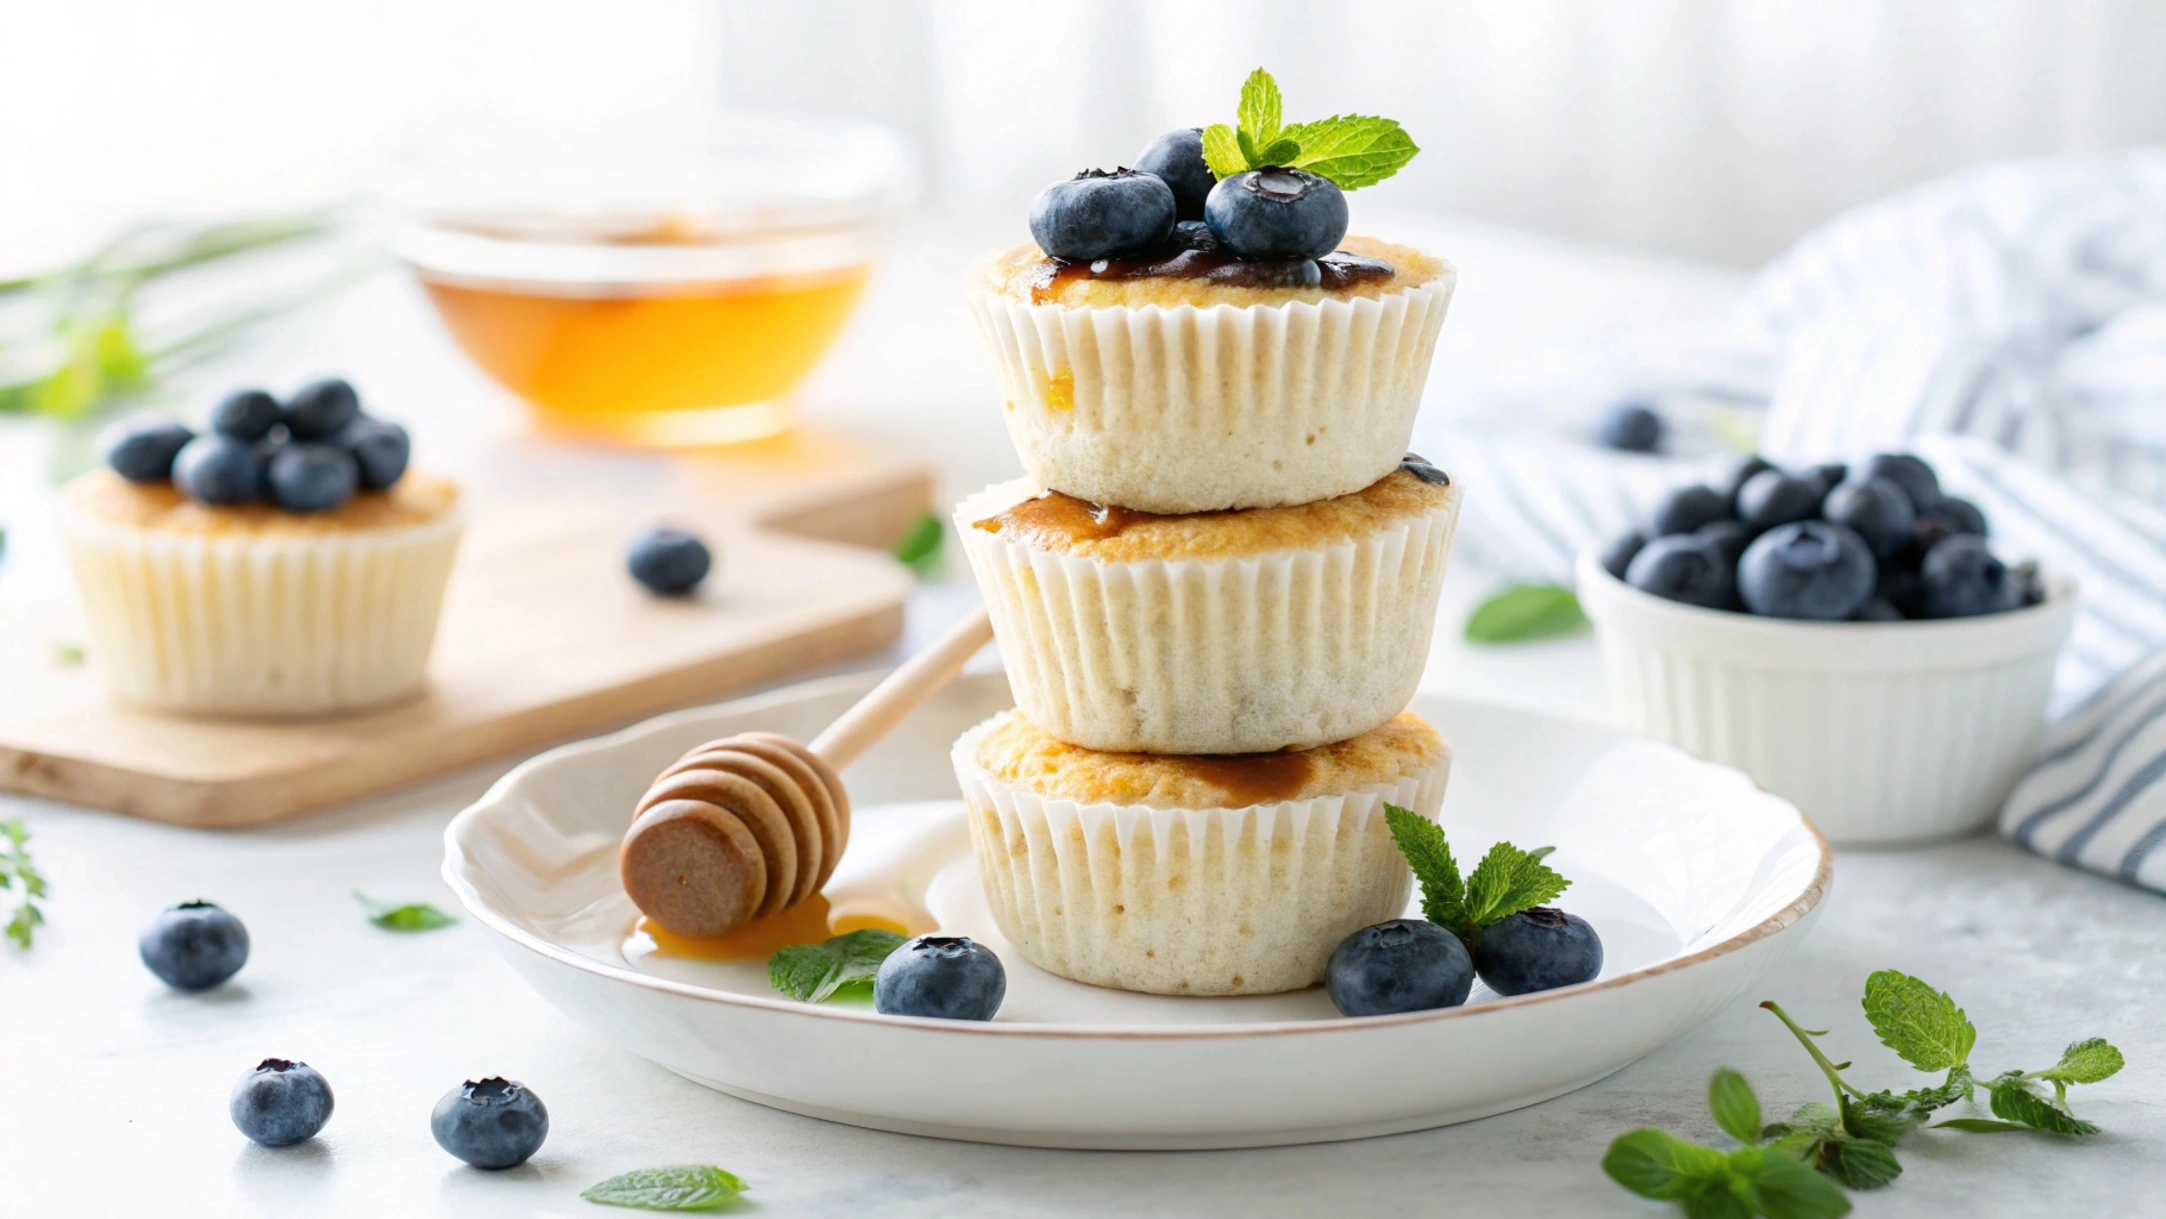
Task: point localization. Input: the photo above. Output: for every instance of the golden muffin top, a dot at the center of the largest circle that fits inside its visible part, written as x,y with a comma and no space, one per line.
1025,274
1017,751
1021,511
416,499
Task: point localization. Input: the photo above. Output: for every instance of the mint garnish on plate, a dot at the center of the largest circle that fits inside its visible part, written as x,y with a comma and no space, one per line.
1506,881
686,1187
843,965
1353,150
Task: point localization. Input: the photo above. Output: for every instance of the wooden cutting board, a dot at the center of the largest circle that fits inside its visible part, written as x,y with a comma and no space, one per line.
544,639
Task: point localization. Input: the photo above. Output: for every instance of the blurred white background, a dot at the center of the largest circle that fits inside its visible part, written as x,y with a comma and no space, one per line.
1713,129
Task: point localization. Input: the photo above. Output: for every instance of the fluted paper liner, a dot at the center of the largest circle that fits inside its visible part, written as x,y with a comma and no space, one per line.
1232,901
237,625
1293,648
1194,409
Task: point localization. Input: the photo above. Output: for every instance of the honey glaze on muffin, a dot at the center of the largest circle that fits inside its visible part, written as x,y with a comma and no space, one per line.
1063,524
1018,751
1361,267
416,499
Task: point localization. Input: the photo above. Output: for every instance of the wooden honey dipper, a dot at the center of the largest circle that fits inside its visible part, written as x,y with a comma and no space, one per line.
752,824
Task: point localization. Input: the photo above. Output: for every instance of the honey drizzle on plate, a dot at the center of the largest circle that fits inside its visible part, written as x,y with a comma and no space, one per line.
808,922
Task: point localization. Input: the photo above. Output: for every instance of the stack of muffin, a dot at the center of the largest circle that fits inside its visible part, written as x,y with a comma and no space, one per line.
1214,595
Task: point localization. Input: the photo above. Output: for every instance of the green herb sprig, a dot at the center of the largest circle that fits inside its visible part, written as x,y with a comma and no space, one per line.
921,544
841,966
1852,1143
1506,881
413,916
686,1187
20,876
1353,150
1526,611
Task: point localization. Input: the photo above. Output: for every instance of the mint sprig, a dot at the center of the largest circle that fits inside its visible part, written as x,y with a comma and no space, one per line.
1851,1143
1526,611
1353,150
1506,881
842,965
920,545
684,1187
18,873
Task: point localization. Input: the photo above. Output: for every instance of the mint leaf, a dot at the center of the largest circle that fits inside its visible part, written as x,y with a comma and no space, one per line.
2013,1099
689,1187
844,964
414,916
1258,112
18,872
1859,1163
68,655
1811,1117
1526,611
920,546
1353,150
2085,1062
1735,1108
1916,1021
1443,894
1783,1188
1978,1125
1507,881
1656,1164
1222,151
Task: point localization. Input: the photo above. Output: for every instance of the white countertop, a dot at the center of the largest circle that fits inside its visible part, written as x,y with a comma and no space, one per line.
113,1090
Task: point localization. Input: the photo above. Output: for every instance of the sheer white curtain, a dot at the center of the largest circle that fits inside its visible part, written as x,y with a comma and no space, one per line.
1714,128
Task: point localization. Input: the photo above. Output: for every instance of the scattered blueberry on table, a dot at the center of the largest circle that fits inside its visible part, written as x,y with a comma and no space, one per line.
951,977
669,562
1537,949
281,1103
194,946
492,1123
1405,965
1879,542
1631,427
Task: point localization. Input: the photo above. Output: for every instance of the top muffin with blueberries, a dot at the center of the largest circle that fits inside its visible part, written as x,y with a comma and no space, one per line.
1236,215
315,460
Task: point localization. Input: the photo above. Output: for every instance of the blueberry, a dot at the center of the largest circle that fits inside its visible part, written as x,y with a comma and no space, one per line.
1277,213
669,561
1405,965
1177,157
312,477
1195,235
1903,588
1880,609
1961,578
322,409
1631,427
1539,949
1807,569
1730,537
245,414
194,946
951,977
1772,498
380,450
1960,515
1688,508
1909,473
2030,584
1831,474
1685,567
219,471
143,451
1874,509
1617,556
1740,474
281,1103
491,1124
1101,215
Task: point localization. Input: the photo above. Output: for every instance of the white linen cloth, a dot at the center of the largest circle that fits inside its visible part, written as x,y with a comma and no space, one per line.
2009,325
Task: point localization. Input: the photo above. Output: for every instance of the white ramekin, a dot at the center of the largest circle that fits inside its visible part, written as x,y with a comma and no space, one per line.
1882,732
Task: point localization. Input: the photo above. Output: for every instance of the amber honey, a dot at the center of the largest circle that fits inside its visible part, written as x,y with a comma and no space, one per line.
808,922
696,364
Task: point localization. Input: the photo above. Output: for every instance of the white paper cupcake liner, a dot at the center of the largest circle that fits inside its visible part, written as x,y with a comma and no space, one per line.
1230,901
1196,409
233,625
1288,649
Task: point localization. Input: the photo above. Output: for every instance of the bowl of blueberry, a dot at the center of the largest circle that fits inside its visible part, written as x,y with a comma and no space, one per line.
1846,635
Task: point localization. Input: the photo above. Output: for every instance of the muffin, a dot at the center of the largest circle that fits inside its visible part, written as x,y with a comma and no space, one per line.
282,563
1224,632
1191,381
1192,875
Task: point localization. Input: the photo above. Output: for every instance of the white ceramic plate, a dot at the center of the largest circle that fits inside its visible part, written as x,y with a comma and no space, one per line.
1690,873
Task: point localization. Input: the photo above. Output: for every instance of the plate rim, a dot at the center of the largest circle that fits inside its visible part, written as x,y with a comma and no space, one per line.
1790,915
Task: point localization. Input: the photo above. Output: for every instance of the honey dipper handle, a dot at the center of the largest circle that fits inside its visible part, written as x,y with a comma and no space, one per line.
919,678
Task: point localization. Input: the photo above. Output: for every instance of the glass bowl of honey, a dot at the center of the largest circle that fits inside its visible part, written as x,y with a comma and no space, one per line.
649,289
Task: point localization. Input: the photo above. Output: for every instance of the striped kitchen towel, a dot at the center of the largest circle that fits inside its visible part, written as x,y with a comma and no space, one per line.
2009,325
